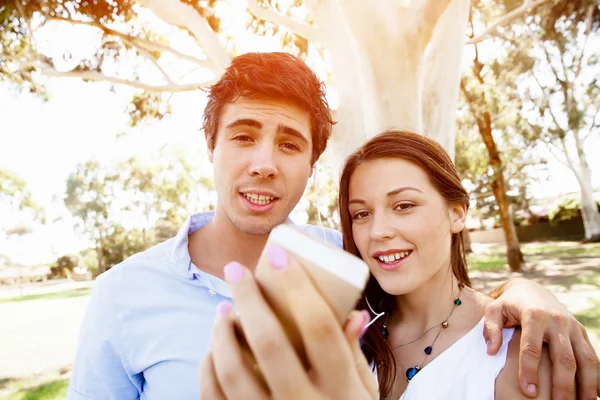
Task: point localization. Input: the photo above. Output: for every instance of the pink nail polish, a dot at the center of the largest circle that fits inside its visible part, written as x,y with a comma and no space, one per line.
277,257
233,272
223,308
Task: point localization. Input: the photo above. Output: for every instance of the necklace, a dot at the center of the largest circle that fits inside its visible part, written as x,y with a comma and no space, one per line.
412,371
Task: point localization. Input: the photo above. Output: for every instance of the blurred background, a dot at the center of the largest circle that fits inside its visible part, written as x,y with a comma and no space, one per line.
102,154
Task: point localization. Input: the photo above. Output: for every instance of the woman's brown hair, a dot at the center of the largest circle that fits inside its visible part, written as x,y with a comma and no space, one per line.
433,159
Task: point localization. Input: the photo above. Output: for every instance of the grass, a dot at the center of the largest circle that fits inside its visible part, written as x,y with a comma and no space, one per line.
49,296
22,390
590,318
494,259
485,262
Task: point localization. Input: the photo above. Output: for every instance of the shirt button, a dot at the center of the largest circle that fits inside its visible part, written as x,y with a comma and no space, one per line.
212,292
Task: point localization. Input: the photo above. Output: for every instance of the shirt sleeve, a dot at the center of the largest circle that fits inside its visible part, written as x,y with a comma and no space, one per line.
100,371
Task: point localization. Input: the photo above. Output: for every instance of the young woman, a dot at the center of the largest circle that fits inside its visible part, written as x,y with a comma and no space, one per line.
403,210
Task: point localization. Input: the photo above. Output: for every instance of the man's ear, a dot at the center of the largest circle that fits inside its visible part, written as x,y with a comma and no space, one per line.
458,217
209,148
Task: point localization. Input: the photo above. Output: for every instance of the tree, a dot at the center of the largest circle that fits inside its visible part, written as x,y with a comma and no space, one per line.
130,205
496,112
322,199
90,194
15,194
563,100
63,267
395,64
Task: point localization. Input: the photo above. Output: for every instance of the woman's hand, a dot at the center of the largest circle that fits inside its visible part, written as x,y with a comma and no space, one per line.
338,367
543,319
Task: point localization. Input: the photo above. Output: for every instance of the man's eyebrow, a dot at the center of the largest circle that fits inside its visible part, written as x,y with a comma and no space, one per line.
292,132
252,123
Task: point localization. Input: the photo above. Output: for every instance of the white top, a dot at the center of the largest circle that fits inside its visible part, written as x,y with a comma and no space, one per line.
464,371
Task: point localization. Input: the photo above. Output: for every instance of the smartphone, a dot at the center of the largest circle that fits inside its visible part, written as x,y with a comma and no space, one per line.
339,277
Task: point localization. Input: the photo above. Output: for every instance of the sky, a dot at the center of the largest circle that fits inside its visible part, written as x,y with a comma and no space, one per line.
43,142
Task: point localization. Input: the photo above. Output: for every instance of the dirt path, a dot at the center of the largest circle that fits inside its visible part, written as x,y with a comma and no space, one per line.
575,281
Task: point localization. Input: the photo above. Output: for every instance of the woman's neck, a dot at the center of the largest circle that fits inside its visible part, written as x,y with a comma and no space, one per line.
428,305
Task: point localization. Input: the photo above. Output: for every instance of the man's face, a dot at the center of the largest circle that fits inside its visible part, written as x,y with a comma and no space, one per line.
262,161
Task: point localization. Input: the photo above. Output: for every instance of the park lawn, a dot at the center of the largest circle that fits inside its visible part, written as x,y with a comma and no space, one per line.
49,296
495,259
50,390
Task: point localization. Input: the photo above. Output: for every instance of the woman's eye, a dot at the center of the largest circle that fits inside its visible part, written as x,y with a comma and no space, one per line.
360,215
404,206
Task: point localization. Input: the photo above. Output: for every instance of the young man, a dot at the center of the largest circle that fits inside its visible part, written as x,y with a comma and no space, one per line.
149,320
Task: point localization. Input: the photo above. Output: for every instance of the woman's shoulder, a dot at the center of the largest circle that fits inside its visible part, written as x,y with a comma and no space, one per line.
507,382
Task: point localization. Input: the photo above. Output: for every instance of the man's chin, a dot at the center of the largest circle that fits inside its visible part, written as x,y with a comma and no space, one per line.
256,227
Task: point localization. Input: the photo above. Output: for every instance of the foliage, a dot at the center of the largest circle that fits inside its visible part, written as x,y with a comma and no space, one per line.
321,197
567,208
13,191
63,267
154,200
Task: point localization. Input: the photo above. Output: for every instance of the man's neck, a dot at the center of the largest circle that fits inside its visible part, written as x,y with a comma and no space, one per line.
220,242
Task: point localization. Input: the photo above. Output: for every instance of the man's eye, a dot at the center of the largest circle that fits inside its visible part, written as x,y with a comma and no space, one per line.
242,138
291,146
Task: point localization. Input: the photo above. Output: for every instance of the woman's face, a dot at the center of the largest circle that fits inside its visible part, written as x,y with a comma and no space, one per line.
401,225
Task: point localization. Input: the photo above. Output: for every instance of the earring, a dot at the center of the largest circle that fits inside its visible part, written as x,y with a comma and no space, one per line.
384,330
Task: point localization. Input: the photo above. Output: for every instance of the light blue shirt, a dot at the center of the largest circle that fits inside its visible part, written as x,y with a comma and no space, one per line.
149,322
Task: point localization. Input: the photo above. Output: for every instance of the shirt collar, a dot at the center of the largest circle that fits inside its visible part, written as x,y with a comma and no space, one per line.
181,261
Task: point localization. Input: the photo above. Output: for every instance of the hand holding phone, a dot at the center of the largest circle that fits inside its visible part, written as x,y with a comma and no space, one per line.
338,276
337,368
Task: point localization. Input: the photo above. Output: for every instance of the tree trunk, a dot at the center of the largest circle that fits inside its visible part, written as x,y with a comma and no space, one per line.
403,75
467,241
100,255
513,248
589,207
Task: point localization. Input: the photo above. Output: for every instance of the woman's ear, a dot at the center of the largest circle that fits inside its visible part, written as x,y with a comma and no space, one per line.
458,217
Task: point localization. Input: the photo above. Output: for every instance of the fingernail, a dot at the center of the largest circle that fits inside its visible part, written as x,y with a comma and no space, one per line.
531,388
488,343
223,308
233,272
277,257
366,319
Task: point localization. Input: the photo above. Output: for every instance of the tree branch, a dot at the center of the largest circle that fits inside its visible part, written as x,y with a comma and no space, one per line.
137,41
557,156
97,76
154,61
588,29
309,32
526,7
21,12
185,16
548,98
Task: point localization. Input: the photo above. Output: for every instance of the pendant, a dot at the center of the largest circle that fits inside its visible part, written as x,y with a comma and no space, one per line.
411,372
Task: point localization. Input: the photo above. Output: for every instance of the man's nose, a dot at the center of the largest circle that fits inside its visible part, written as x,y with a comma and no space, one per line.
263,162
